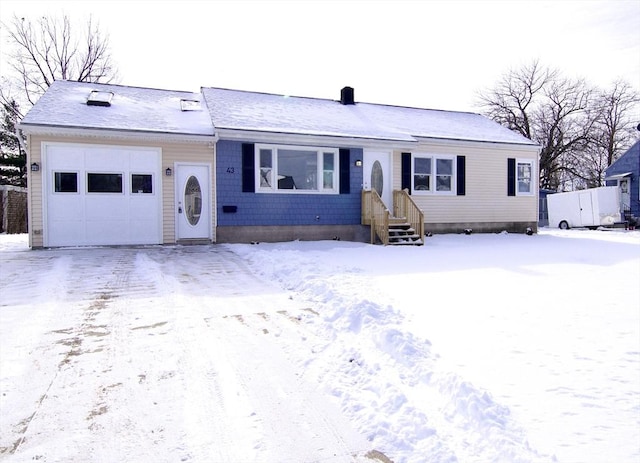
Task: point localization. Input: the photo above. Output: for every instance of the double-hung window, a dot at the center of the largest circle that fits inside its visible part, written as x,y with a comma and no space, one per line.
422,174
433,174
524,172
444,175
296,169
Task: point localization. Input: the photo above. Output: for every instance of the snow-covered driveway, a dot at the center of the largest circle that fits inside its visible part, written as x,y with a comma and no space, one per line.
500,348
157,354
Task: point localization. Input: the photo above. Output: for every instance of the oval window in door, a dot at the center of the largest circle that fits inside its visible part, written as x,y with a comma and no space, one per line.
377,179
193,200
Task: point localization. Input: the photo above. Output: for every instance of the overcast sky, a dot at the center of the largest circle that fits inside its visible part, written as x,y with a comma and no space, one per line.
430,54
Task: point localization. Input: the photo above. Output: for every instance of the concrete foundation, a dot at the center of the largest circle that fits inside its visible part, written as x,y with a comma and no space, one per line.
358,233
481,227
272,234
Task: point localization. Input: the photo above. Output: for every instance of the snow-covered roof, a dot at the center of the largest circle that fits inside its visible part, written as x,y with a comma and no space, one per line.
263,112
64,105
136,109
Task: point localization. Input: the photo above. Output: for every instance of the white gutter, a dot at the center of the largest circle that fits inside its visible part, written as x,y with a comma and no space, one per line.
618,176
46,130
317,140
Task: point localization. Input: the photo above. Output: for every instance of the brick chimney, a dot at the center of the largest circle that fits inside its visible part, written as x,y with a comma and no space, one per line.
346,96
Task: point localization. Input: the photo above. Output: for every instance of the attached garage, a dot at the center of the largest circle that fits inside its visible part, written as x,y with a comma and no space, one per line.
101,195
104,162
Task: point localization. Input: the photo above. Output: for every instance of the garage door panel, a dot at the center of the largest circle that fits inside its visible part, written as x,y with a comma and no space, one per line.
67,232
142,209
70,159
90,218
104,207
107,232
144,231
66,207
106,160
143,162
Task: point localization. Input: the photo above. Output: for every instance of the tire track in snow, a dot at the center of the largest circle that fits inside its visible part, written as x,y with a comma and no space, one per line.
84,303
44,288
296,420
197,396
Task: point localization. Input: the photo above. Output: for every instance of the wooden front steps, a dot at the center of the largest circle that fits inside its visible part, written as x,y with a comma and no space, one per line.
401,233
405,226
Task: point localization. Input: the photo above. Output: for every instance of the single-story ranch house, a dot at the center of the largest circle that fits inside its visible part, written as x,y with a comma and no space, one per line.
118,165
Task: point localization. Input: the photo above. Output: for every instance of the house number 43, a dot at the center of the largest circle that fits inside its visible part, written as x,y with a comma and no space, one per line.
231,170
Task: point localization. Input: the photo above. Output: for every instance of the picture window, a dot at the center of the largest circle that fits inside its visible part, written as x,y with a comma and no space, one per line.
295,169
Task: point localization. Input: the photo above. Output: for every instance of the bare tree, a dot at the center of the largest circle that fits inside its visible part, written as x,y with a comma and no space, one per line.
514,98
562,128
580,129
612,131
615,126
46,50
545,107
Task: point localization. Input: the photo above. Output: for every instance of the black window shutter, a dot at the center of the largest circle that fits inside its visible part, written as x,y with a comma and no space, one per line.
345,174
460,175
511,177
406,171
248,168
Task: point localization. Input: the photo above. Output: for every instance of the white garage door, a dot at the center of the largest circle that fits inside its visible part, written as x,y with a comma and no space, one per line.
101,195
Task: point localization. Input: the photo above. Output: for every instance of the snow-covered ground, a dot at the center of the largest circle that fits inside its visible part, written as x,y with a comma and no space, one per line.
479,348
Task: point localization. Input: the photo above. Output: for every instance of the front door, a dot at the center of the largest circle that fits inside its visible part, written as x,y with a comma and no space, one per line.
193,210
625,196
377,175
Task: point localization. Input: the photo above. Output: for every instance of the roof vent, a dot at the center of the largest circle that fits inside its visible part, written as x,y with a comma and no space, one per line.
346,96
97,98
190,105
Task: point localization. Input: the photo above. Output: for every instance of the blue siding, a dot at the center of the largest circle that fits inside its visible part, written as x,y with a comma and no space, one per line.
629,162
281,209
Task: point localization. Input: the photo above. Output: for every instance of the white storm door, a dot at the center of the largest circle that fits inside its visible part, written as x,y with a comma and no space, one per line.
193,208
625,195
377,175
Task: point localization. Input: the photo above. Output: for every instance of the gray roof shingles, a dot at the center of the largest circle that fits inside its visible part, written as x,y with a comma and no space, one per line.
137,109
159,111
263,112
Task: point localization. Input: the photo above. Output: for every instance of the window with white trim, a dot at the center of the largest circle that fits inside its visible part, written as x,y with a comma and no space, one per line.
65,182
433,174
524,177
141,183
296,169
98,182
444,175
422,174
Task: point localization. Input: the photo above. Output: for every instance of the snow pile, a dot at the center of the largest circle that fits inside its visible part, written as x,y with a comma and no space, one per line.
386,379
477,348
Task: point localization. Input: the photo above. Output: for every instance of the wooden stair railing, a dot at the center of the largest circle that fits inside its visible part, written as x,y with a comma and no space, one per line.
404,206
405,226
375,214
